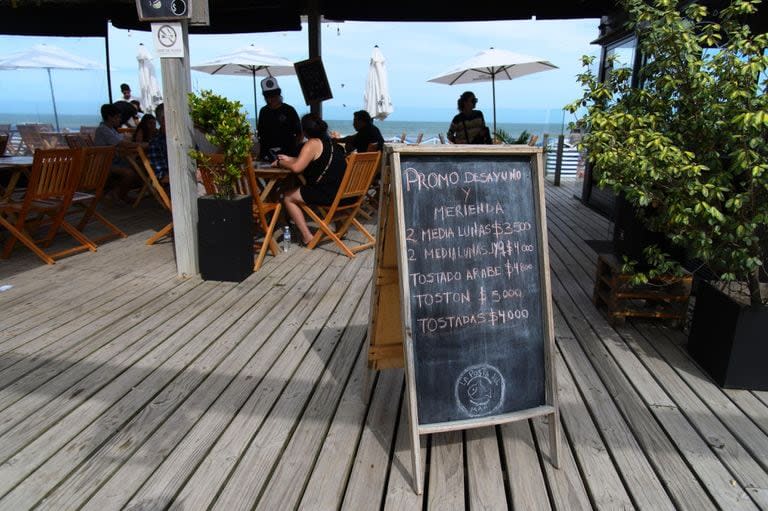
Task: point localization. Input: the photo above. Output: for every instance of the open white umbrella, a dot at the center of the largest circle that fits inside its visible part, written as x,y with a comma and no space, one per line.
44,56
151,95
249,61
376,98
491,65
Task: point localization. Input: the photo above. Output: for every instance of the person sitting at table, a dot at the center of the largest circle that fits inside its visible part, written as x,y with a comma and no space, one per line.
157,148
107,135
146,129
129,116
322,163
278,128
366,134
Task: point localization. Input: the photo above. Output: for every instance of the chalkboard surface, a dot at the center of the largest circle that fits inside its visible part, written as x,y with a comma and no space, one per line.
313,80
474,285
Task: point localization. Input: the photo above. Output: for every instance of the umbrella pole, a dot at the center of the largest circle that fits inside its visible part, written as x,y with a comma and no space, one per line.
493,88
255,106
109,75
53,98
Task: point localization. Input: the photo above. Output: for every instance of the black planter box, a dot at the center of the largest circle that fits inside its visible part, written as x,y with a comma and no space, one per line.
225,238
729,340
630,236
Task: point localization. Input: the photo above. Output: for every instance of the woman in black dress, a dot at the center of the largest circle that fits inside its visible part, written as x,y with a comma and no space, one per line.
322,163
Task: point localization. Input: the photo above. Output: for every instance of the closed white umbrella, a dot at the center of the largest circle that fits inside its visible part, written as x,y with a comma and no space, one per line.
491,65
44,56
376,98
249,61
151,95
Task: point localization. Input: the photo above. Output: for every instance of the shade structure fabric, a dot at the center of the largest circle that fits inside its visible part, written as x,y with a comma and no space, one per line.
491,65
149,88
248,61
45,56
376,99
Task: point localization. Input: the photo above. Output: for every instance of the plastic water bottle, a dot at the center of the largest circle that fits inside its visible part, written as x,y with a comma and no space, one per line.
286,238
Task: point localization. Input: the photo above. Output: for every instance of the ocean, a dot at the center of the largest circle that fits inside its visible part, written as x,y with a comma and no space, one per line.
389,129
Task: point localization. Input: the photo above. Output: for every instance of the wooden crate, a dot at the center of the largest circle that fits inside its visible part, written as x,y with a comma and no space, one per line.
665,297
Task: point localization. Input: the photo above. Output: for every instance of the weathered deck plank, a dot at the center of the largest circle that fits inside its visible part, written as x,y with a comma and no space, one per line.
124,387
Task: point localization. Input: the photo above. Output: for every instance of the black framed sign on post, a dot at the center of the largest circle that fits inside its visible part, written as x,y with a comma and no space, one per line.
156,10
313,80
475,292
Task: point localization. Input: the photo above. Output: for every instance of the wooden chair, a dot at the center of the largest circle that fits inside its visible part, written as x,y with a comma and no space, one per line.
94,171
147,188
88,130
30,137
139,161
78,140
265,214
361,168
52,182
53,139
371,203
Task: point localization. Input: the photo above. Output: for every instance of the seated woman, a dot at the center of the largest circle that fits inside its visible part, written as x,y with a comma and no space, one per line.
146,130
322,163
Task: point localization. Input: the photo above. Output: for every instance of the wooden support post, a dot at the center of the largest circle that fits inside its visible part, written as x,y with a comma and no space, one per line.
315,49
559,158
178,127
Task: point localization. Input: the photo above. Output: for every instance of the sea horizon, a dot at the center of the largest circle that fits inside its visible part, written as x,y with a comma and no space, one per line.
430,130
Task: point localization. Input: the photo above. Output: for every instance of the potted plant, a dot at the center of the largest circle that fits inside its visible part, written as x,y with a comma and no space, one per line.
688,148
225,220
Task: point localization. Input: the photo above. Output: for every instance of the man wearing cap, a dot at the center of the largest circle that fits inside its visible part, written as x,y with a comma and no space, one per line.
279,127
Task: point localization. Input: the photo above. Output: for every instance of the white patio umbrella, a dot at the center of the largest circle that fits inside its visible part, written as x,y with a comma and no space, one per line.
250,61
45,56
376,98
151,95
491,65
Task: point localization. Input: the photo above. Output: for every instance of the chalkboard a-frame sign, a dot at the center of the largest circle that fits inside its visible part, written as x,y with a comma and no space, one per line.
475,292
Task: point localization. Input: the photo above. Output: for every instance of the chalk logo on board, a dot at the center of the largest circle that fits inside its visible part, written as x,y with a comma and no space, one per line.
480,390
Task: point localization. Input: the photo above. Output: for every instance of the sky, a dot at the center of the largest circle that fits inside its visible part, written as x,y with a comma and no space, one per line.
414,53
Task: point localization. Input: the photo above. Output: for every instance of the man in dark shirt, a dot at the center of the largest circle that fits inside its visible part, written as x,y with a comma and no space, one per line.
366,134
279,127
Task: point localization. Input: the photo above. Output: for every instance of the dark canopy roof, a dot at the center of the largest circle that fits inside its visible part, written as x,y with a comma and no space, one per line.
89,17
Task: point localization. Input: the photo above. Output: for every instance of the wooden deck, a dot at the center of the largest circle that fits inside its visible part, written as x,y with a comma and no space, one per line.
124,387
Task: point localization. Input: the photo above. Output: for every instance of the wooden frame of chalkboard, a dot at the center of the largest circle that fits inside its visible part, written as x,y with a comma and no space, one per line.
475,295
313,80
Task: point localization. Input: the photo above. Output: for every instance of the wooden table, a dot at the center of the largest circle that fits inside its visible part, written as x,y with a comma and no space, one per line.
15,165
268,176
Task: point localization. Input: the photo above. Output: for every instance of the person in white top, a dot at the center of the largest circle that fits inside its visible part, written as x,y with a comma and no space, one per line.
125,89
